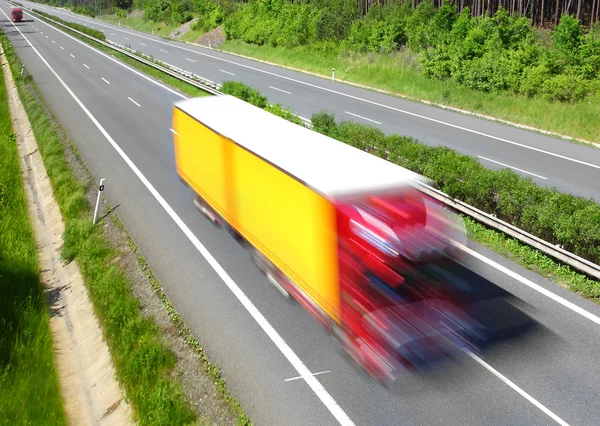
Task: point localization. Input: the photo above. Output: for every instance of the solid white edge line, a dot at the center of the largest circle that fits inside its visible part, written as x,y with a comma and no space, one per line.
105,80
227,72
112,59
360,116
511,167
284,348
133,101
281,90
530,284
517,389
362,99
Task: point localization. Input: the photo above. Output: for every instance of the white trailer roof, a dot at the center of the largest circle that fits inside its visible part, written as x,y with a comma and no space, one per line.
329,166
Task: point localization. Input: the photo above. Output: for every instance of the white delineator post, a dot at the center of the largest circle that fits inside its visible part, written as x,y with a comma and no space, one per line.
333,74
100,189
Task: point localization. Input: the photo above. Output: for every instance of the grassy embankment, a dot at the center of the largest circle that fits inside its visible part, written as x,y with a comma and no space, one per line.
398,74
29,386
144,363
160,28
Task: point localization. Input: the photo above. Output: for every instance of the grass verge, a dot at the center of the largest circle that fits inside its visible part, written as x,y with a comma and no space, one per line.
534,260
29,386
141,24
142,360
399,74
148,70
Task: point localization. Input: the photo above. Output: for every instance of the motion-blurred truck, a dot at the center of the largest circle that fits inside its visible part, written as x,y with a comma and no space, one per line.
16,14
347,234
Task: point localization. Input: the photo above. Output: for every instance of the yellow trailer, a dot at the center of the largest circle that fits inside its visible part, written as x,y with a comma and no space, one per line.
275,183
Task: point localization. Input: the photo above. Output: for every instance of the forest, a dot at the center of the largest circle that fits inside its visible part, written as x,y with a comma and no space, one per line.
536,48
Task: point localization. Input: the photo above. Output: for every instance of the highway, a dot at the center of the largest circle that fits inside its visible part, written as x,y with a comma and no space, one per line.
120,122
571,167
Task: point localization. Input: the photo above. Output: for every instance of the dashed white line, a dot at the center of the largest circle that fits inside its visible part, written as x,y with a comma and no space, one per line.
227,72
511,167
86,66
191,60
125,38
518,389
41,32
174,132
280,90
105,80
360,116
164,51
142,44
133,101
62,48
46,36
53,41
113,34
300,377
72,56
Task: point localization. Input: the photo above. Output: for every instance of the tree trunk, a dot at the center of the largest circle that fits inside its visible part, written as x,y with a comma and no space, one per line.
542,15
579,10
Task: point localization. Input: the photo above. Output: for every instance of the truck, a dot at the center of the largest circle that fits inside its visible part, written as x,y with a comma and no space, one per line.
347,234
16,14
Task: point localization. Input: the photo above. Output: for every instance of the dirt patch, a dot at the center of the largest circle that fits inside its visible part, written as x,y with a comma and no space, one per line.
178,32
91,393
197,384
136,14
213,38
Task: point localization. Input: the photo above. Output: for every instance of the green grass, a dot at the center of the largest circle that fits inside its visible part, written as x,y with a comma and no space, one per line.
29,386
143,362
534,260
399,74
140,24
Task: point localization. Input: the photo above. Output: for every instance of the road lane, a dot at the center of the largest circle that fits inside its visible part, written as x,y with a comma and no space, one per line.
363,400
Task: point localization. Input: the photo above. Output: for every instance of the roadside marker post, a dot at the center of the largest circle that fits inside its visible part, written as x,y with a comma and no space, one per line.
333,74
100,190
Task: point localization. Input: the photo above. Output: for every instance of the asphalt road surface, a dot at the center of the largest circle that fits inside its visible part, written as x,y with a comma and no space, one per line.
120,122
571,167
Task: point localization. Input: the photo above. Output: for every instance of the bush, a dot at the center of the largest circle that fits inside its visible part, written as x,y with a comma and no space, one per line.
555,217
245,93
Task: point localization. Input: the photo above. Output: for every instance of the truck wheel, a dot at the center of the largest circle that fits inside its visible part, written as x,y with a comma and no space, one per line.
271,271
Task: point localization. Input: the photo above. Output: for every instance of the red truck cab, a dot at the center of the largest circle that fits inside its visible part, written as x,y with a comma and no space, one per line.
17,14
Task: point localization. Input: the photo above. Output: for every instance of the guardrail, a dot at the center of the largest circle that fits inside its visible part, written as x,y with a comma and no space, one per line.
545,247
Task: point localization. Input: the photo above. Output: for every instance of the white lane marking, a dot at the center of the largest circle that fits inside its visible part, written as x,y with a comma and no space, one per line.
125,38
366,101
136,72
191,60
164,51
360,116
62,47
133,101
86,66
300,377
281,90
227,72
105,80
512,167
275,337
517,389
174,132
41,32
53,41
531,284
142,44
72,56
113,34
46,36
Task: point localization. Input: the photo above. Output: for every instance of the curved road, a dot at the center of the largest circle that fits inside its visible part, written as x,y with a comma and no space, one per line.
120,122
571,167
